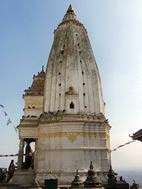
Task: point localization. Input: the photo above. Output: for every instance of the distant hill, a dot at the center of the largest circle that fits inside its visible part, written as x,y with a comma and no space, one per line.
130,175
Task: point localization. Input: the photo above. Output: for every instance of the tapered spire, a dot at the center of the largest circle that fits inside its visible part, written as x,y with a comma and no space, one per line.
70,14
70,64
70,8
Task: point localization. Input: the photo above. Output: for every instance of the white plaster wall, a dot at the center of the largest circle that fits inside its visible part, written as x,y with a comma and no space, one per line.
61,155
74,67
28,132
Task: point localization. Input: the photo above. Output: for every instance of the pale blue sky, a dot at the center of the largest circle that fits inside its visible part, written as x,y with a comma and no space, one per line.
115,31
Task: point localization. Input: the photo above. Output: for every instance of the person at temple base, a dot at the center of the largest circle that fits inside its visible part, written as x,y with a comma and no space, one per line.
28,157
134,185
11,170
3,173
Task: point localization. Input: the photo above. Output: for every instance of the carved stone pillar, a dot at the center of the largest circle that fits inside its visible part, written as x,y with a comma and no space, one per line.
20,154
35,154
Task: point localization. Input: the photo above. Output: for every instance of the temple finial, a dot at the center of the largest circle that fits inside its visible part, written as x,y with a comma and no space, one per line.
91,165
70,8
77,172
70,14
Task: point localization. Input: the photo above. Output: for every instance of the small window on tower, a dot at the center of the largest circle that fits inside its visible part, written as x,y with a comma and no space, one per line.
82,72
62,51
71,105
71,89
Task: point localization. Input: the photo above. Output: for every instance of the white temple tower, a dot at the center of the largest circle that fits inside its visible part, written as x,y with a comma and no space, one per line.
64,109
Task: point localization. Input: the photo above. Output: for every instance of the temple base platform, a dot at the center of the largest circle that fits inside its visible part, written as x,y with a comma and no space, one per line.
23,178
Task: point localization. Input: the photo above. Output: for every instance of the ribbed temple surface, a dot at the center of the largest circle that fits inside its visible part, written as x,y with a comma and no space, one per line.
72,78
